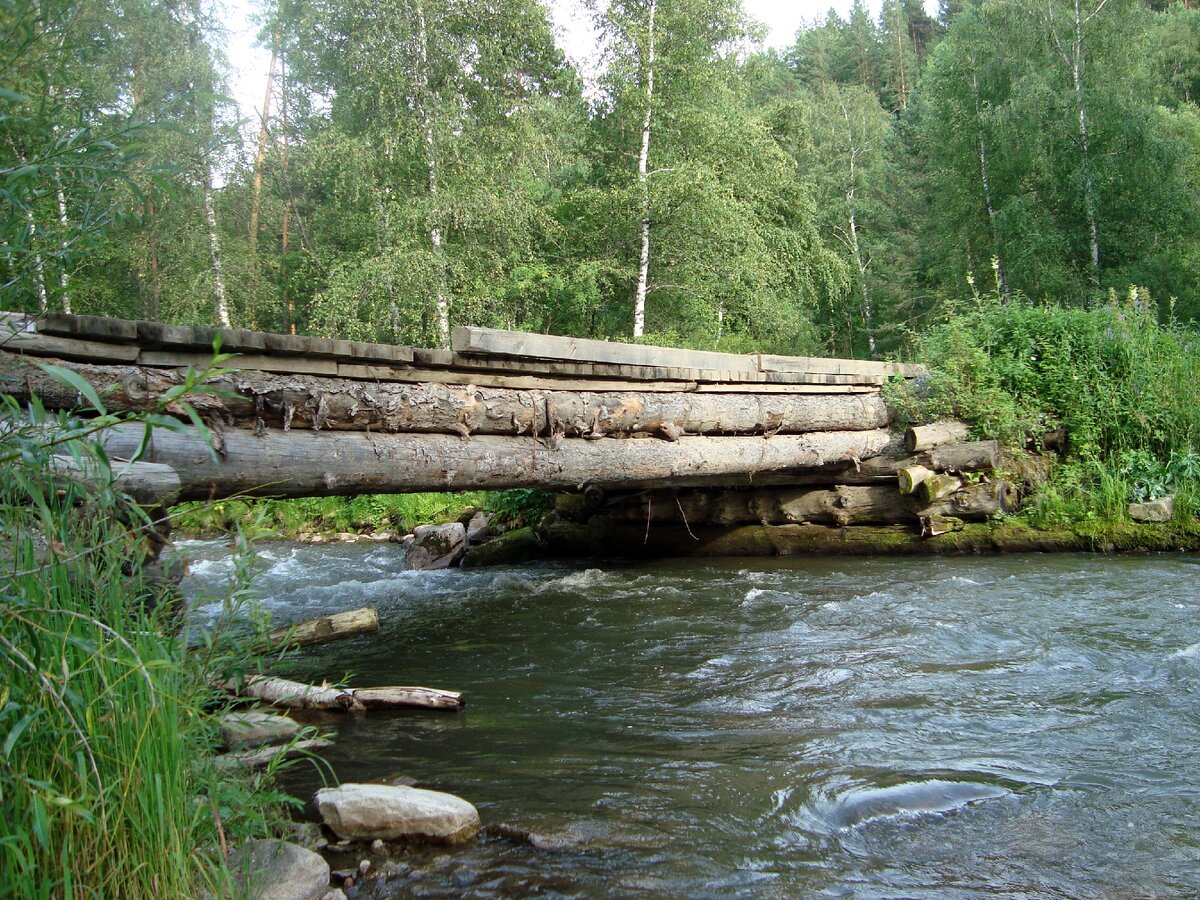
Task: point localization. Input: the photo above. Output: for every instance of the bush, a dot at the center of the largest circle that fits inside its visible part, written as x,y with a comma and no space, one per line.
1125,385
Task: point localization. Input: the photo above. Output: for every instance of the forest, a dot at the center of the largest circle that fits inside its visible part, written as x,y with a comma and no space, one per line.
423,165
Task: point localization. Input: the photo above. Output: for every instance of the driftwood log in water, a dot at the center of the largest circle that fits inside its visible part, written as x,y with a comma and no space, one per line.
310,464
295,695
260,400
323,629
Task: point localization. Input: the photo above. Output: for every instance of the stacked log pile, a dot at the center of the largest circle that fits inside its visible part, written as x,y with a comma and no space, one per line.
309,417
934,489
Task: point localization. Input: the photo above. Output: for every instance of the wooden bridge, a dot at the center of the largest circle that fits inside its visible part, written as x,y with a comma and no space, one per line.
303,416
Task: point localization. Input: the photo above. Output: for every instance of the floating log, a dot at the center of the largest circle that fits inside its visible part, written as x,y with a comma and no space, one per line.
259,400
261,757
295,695
323,629
926,437
312,464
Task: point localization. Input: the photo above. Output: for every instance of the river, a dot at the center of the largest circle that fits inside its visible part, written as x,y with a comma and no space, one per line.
918,727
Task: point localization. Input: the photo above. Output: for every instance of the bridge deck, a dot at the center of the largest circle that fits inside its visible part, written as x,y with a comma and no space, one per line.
307,416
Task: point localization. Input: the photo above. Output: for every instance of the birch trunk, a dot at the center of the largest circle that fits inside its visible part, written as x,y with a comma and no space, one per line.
64,276
852,231
214,250
1089,185
639,305
441,302
39,269
986,181
260,156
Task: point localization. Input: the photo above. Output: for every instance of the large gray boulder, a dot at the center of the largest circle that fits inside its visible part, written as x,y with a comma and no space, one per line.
1157,511
366,812
277,870
252,729
436,546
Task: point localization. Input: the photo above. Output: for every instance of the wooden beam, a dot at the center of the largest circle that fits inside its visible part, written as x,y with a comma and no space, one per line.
552,347
816,364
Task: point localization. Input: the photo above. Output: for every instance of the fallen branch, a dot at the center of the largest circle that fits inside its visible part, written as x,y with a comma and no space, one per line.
323,629
295,695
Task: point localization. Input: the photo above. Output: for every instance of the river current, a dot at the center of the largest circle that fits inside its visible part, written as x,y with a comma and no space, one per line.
904,727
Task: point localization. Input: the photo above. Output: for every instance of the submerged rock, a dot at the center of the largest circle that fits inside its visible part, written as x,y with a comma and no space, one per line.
365,812
251,729
277,870
436,546
1156,511
911,799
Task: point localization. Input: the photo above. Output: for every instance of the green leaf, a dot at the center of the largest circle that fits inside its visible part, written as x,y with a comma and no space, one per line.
76,381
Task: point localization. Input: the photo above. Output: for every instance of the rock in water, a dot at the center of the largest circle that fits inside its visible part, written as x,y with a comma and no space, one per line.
477,529
365,812
1157,511
251,729
436,546
277,870
911,799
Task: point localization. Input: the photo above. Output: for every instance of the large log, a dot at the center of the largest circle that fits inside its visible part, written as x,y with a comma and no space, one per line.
975,456
323,629
295,695
926,437
312,464
259,400
837,505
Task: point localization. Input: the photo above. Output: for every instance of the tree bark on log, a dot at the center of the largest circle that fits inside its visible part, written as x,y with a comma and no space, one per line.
323,629
260,400
974,456
910,478
838,505
295,695
147,483
926,437
935,487
313,464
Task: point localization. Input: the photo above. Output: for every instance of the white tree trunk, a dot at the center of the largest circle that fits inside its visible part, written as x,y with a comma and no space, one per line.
214,249
431,170
264,134
39,267
1089,185
639,305
986,181
64,276
852,231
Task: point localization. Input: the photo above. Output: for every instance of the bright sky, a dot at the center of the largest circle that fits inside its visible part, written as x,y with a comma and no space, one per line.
250,63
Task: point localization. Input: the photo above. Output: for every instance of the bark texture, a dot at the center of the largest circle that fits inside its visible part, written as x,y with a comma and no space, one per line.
311,464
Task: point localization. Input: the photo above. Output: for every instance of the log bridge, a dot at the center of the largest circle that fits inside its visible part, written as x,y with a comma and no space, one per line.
296,416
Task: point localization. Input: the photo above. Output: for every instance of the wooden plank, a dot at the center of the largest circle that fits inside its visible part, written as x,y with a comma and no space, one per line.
97,328
425,357
819,365
416,375
785,389
172,359
68,348
551,347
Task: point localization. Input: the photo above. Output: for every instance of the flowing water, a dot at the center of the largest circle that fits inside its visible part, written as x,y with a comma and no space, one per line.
1008,726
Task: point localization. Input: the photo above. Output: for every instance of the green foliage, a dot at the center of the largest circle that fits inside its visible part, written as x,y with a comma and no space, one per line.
365,513
519,507
1126,388
106,777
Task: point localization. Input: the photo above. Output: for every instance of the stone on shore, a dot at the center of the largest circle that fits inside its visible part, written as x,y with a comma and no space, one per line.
366,812
277,870
436,546
1156,511
252,729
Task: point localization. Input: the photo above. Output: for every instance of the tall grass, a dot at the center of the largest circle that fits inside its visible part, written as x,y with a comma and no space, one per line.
107,788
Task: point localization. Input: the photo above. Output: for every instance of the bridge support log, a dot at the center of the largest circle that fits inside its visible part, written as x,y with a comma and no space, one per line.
259,400
311,464
837,505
